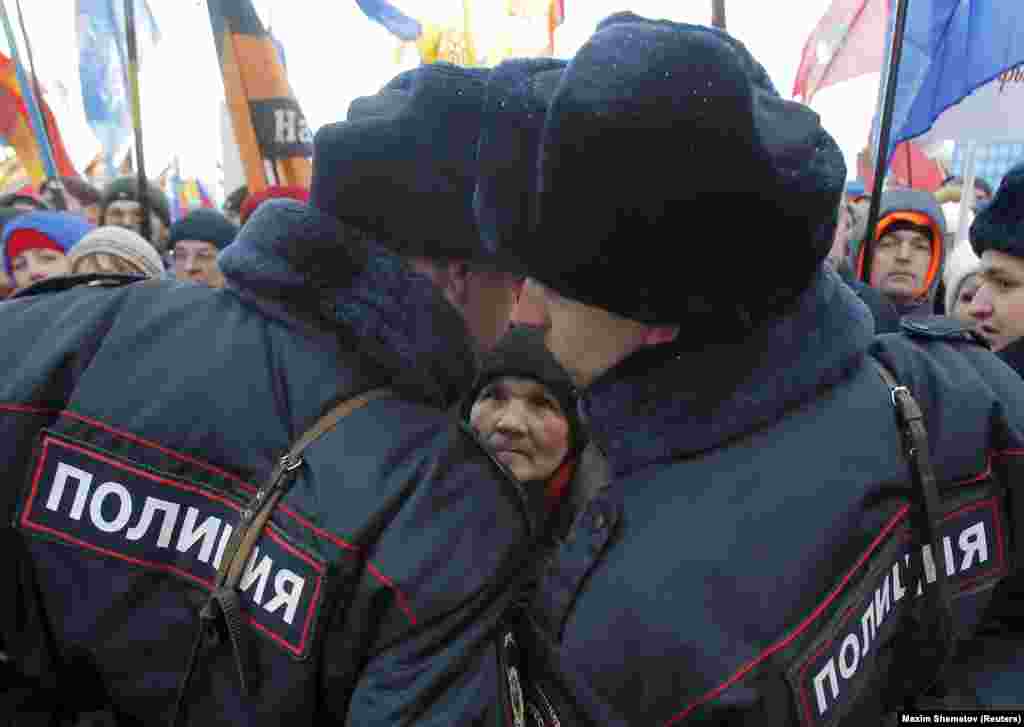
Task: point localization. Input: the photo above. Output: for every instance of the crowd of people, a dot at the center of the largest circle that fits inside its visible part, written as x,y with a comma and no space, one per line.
505,421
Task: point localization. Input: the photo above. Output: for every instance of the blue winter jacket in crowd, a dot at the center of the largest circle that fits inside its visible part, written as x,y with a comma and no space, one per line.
748,563
136,423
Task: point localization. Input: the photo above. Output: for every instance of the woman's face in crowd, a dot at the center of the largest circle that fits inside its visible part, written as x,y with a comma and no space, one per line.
524,424
37,264
997,309
962,304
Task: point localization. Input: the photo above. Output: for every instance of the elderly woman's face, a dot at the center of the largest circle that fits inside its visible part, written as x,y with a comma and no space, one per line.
524,424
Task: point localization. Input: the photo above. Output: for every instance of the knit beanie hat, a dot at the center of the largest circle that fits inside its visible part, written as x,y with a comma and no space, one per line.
522,353
122,243
58,231
128,188
205,225
402,168
999,225
644,101
962,263
299,194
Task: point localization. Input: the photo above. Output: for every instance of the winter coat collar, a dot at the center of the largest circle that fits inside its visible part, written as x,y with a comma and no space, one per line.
288,258
659,405
1013,356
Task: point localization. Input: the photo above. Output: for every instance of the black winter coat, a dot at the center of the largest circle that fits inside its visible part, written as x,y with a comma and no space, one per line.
746,564
136,423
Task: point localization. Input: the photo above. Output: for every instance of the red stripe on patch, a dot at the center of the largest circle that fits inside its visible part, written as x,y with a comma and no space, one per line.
25,409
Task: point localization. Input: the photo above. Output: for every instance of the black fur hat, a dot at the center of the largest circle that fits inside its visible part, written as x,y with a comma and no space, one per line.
676,186
402,168
999,225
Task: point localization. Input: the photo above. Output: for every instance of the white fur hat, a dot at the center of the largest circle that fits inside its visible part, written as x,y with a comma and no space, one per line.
123,243
962,263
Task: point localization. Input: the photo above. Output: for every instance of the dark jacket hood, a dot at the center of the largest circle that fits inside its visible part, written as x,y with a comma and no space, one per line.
909,200
661,405
306,267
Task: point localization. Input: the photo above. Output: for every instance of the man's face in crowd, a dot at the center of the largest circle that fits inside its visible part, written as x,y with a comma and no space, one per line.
196,261
37,264
900,264
524,424
587,341
490,297
128,213
998,305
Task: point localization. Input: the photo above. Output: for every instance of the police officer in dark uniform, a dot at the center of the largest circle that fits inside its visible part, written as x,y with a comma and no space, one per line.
803,522
169,555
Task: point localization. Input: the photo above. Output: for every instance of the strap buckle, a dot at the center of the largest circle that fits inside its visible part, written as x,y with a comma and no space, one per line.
291,462
897,390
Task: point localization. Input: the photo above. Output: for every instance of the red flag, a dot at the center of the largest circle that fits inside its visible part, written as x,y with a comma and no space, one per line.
910,167
847,42
16,128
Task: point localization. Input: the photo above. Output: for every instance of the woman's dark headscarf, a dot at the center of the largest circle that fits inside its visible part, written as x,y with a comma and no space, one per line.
521,353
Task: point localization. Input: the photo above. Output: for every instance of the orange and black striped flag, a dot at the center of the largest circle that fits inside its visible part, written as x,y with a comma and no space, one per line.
274,140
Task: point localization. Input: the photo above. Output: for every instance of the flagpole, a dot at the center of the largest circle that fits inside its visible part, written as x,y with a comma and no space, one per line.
885,127
967,190
35,116
133,89
718,14
58,185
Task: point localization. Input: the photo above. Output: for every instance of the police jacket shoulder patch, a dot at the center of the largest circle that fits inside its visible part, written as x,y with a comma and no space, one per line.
111,507
939,328
828,671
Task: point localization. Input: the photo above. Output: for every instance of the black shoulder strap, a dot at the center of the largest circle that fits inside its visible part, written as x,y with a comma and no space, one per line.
925,518
223,608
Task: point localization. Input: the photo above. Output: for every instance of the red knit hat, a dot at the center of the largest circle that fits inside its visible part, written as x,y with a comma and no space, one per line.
300,194
28,239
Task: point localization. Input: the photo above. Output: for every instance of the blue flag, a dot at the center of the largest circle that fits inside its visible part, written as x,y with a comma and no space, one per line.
951,48
103,67
397,22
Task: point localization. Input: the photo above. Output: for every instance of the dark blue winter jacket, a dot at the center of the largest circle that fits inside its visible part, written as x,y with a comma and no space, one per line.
136,423
749,561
